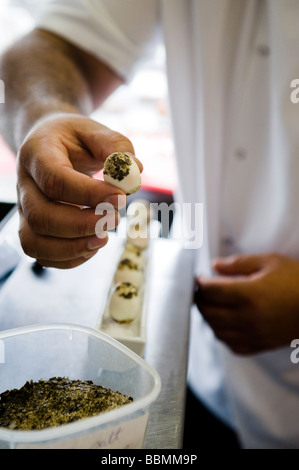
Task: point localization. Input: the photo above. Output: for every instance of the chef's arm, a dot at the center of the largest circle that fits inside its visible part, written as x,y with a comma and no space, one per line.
45,74
51,88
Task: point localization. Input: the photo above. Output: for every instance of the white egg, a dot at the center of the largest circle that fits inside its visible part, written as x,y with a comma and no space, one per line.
128,271
121,170
125,304
135,254
138,234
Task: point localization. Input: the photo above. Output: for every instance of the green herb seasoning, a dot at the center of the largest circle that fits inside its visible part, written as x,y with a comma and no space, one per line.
117,166
59,400
128,263
126,290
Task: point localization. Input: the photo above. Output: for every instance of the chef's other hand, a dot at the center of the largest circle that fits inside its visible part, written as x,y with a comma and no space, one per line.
252,304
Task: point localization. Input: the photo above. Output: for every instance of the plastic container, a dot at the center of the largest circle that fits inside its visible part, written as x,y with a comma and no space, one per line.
77,352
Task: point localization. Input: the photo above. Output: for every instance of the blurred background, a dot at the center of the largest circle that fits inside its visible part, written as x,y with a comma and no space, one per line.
139,110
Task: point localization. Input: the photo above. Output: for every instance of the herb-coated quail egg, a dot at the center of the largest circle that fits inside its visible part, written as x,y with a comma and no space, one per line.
121,170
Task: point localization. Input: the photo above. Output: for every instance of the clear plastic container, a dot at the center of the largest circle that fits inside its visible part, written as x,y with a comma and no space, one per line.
47,350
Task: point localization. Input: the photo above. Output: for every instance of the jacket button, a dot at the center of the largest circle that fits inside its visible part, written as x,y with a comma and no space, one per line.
241,153
263,50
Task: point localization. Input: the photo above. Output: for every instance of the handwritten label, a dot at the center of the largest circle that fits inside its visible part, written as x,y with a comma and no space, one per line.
125,435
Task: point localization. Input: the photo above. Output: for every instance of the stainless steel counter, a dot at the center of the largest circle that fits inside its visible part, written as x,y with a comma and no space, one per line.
78,296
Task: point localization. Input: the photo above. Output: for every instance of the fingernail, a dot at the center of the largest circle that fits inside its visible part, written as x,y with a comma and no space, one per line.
97,241
118,201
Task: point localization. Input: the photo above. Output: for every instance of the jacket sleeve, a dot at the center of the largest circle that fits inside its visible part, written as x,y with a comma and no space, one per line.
121,33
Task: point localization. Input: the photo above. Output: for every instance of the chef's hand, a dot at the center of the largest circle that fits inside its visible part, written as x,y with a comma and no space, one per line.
253,303
57,195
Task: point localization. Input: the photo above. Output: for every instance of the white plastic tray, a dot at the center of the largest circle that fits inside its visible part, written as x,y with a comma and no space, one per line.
132,334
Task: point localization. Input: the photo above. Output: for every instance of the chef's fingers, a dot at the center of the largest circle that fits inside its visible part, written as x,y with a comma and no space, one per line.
222,289
56,219
56,249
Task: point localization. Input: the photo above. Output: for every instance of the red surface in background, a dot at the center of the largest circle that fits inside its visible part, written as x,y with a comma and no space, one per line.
7,158
158,174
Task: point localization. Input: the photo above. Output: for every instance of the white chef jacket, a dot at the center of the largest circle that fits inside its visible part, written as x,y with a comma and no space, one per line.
230,64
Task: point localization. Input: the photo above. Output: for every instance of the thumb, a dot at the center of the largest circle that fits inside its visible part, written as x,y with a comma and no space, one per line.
237,264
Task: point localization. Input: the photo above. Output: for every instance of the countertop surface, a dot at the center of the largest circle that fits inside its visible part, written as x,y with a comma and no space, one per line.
78,296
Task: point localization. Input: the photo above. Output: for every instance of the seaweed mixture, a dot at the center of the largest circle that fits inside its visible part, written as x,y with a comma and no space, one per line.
126,290
59,400
128,263
117,166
